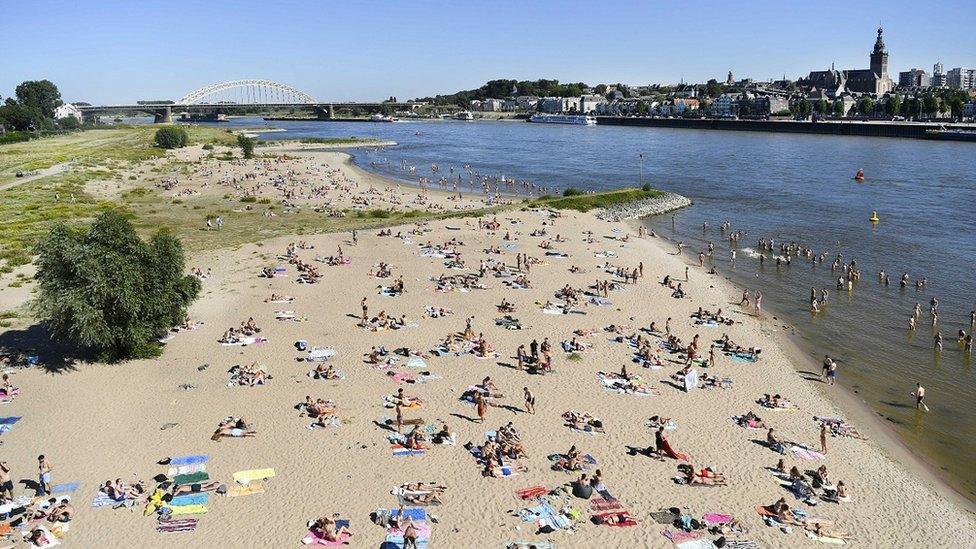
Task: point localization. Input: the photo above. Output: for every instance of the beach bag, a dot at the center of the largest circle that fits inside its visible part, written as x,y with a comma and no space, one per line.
301,345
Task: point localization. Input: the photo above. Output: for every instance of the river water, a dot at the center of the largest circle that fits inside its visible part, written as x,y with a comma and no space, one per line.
788,187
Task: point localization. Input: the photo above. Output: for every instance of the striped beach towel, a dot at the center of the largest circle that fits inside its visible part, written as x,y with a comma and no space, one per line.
189,460
177,526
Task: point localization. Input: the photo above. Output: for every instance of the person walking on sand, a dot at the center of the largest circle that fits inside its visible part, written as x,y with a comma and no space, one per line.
44,475
365,310
686,273
823,438
529,400
745,298
826,366
481,406
701,259
758,303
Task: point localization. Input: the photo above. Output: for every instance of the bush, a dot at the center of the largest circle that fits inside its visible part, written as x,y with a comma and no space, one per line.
572,192
246,144
171,137
208,147
249,199
646,188
109,291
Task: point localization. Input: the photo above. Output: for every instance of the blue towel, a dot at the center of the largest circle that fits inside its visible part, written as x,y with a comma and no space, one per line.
189,460
342,522
65,487
414,513
189,499
9,420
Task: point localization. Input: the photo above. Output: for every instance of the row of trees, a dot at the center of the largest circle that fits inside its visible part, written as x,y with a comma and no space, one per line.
927,105
33,107
503,88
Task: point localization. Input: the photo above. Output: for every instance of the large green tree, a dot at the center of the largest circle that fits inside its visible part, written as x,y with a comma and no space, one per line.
39,95
107,290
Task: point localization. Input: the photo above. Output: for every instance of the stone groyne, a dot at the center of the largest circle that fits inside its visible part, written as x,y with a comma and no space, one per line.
664,203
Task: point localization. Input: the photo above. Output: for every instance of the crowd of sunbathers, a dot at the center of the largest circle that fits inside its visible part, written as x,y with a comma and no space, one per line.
248,328
248,375
505,445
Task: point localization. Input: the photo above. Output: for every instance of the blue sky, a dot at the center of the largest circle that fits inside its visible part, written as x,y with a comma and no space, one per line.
115,51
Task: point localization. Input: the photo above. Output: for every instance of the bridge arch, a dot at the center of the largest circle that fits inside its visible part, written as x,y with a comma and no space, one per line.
247,92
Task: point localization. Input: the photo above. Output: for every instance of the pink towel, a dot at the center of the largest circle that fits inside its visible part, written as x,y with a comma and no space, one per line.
315,538
716,518
677,536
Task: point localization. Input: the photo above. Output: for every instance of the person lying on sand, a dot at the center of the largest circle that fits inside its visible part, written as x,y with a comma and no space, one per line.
323,371
194,488
233,428
326,528
706,476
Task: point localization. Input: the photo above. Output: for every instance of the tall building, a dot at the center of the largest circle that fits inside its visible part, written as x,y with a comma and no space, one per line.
961,78
938,76
915,78
874,80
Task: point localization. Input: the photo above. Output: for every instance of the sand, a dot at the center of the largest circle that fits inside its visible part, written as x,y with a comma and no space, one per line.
97,422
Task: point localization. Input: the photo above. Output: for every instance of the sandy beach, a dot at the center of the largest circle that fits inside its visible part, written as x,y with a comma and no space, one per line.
98,422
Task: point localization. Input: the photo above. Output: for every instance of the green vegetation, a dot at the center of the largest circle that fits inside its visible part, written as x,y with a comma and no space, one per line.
587,202
14,137
107,290
503,88
171,137
33,109
246,144
572,191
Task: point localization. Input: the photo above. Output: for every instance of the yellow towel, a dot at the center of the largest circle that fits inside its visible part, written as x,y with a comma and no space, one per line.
187,510
245,477
253,488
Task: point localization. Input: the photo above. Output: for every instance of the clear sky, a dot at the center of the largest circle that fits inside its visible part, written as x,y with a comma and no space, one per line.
119,51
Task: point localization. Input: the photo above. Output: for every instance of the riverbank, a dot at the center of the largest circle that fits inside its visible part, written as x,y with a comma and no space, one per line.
805,359
867,129
657,205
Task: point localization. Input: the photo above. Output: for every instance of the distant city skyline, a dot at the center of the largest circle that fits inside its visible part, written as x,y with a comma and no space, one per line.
112,51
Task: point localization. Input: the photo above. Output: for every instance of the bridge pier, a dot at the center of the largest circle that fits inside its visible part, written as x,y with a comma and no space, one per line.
163,116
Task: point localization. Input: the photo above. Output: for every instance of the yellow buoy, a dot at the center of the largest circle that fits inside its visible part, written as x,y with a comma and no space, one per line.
874,217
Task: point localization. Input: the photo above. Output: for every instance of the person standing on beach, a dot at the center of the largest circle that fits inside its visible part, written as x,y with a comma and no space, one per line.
758,303
529,400
43,476
481,406
825,367
365,310
701,259
6,485
355,238
640,269
832,373
732,257
823,438
686,273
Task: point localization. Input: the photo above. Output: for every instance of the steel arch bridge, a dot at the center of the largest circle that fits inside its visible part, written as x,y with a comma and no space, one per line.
247,92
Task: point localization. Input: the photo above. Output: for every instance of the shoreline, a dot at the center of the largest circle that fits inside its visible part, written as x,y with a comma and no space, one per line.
800,354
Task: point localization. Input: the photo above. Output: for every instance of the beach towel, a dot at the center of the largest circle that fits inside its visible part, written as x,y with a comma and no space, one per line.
177,526
671,453
252,488
320,354
691,380
603,505
189,460
6,423
400,451
246,477
743,358
316,538
806,453
600,301
716,518
532,492
700,543
395,541
189,499
416,514
102,500
185,509
825,539
416,362
679,536
527,544
65,487
187,469
191,478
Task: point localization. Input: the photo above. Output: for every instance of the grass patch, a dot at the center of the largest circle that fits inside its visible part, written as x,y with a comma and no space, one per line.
574,357
587,202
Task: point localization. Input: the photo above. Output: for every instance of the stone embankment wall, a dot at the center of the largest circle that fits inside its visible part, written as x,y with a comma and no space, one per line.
665,203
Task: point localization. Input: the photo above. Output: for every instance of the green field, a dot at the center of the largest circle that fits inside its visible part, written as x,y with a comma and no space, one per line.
29,209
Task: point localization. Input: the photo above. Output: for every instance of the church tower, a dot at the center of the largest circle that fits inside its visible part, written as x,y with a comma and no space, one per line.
879,57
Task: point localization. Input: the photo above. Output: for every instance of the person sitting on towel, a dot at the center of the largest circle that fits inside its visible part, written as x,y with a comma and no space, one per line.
443,436
775,443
